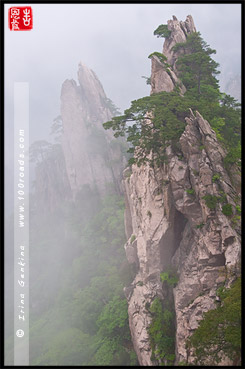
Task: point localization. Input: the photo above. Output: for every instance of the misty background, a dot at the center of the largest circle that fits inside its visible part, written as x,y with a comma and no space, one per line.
114,40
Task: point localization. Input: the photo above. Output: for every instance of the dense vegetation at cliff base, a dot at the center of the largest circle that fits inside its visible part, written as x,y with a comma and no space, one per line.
153,122
220,330
162,327
78,311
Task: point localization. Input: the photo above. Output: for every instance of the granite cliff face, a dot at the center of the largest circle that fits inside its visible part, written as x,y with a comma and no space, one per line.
167,220
165,79
179,31
87,155
168,225
92,155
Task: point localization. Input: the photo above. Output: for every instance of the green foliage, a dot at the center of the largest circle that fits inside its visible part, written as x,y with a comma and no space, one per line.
183,363
199,226
151,133
215,177
221,292
133,359
154,122
231,112
161,57
238,209
235,220
198,73
113,320
128,173
190,191
133,237
227,209
147,305
162,31
148,80
164,276
222,198
233,156
197,68
105,353
211,201
218,125
111,106
220,329
111,353
60,353
85,321
162,333
170,277
140,283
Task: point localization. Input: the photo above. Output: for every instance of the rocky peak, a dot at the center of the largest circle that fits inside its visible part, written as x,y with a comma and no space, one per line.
164,78
173,226
169,222
92,155
179,31
86,154
93,94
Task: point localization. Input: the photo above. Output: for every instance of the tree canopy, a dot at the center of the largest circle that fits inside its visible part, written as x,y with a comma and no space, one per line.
162,31
220,330
153,122
197,68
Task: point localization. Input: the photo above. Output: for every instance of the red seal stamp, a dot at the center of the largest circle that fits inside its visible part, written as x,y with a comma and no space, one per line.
20,18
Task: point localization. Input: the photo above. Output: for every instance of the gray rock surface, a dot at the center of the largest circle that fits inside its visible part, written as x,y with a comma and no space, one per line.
92,155
172,226
179,31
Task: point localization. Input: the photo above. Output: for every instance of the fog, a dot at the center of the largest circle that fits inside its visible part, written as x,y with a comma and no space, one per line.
78,266
113,40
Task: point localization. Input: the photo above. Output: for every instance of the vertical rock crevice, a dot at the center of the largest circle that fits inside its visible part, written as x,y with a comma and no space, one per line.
168,222
170,241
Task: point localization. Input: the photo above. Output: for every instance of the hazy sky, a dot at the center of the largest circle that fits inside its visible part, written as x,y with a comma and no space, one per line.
113,40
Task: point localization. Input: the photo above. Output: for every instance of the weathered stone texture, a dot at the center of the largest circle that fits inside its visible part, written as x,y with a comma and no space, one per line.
92,155
172,226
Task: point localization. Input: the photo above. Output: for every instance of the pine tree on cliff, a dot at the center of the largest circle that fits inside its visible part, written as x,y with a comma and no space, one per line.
153,122
197,68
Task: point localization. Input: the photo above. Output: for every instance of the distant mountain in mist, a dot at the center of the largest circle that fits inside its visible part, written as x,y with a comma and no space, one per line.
230,83
233,87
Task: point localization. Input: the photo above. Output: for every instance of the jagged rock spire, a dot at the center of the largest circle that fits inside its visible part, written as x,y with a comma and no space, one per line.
163,78
172,224
179,31
89,156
